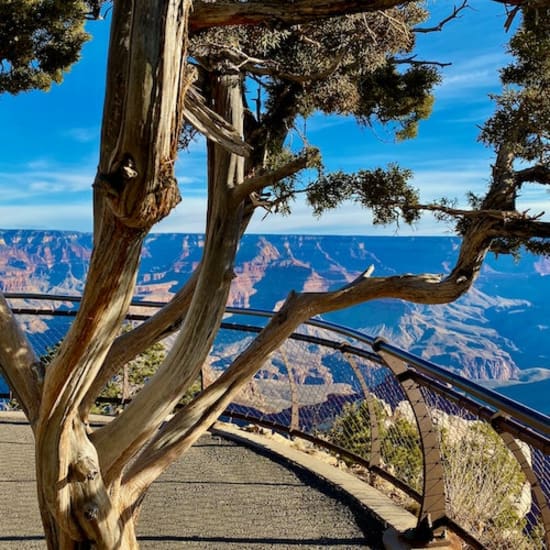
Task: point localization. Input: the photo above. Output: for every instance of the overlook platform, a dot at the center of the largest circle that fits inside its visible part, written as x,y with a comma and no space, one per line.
221,494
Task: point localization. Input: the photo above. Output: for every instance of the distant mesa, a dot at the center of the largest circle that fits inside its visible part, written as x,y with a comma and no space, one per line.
489,334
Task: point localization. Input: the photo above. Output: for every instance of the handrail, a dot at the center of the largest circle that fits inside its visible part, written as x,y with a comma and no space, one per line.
432,394
501,404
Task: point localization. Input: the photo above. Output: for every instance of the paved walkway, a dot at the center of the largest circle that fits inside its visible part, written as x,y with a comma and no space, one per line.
219,495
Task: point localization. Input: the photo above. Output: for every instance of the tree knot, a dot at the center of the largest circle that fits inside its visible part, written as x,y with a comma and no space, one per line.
84,469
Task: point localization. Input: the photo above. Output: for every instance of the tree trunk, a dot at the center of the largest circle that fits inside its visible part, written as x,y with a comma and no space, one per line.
134,188
78,511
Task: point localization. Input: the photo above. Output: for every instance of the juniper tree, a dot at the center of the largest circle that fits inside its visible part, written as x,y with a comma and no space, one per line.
40,40
166,64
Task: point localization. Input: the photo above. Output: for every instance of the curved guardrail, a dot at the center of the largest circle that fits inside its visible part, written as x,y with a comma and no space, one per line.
458,454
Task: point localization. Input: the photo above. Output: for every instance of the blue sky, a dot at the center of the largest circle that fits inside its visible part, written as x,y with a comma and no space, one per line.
49,141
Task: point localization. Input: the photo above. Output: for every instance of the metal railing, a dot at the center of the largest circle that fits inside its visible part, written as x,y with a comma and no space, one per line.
461,456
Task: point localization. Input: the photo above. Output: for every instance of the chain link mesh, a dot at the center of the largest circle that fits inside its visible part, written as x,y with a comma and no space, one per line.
316,385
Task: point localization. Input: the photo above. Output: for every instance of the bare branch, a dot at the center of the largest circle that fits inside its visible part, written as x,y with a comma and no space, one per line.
502,215
534,174
210,124
411,60
187,425
207,14
18,363
439,27
272,69
261,67
256,183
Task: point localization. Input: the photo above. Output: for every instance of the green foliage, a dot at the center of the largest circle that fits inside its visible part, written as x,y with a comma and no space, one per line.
402,453
284,190
401,98
485,486
191,392
145,365
522,117
351,429
39,41
399,442
386,192
351,66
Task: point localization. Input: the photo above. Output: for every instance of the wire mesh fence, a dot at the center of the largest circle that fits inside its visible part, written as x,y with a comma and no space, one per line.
486,477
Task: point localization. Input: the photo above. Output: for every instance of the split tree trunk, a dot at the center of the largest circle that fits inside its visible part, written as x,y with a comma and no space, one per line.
134,188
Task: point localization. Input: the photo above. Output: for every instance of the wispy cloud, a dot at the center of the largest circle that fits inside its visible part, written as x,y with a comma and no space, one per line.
83,135
475,73
34,185
59,215
452,183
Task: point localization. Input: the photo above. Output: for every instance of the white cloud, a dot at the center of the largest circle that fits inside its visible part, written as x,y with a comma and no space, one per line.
59,215
188,217
34,184
453,183
349,219
83,135
474,73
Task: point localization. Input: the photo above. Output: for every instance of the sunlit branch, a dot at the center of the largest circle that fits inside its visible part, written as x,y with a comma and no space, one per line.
18,363
207,14
211,125
256,183
439,27
129,344
185,427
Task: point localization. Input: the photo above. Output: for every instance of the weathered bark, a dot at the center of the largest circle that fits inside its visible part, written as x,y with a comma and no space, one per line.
85,496
129,344
134,189
227,12
156,400
19,364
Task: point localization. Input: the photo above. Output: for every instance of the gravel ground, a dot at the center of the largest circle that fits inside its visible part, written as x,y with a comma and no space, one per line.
219,495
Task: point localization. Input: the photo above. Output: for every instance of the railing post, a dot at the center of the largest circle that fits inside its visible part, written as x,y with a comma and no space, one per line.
433,510
375,458
294,399
536,490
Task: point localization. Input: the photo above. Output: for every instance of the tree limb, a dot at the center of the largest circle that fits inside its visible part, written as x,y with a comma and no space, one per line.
207,14
256,183
483,213
271,69
188,424
211,125
439,27
140,420
129,344
19,364
135,187
526,229
534,174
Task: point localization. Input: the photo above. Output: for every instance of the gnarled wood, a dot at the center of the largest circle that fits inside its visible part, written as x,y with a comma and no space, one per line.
156,400
206,14
134,189
18,363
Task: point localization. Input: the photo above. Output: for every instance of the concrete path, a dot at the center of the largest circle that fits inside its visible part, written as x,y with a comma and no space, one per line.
219,495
